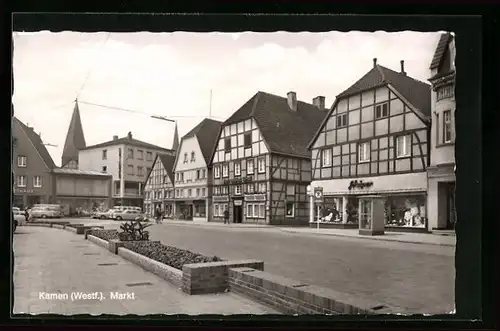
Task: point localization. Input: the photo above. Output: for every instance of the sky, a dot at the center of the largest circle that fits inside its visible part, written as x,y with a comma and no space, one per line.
187,76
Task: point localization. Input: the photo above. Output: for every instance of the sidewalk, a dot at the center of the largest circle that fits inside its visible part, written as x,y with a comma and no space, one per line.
414,238
55,263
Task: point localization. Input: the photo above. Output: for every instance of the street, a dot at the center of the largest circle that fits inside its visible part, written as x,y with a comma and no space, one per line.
415,277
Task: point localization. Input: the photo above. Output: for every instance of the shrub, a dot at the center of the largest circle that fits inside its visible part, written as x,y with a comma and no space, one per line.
104,234
133,231
172,256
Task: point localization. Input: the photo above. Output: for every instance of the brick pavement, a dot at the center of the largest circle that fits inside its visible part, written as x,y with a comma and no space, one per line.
60,262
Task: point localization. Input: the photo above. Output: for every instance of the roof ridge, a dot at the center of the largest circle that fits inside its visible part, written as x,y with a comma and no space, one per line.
407,76
255,101
381,72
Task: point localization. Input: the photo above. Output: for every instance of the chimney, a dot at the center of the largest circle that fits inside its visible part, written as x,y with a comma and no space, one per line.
115,137
319,102
129,135
403,67
292,100
374,62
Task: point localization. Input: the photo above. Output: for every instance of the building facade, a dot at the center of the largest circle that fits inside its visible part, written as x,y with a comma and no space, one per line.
159,187
192,174
128,161
32,166
375,143
75,189
441,172
261,165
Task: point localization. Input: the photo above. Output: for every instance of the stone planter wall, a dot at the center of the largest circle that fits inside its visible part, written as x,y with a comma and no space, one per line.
98,241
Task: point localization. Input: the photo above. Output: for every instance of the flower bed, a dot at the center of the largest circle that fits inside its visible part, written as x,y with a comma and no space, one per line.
104,234
171,256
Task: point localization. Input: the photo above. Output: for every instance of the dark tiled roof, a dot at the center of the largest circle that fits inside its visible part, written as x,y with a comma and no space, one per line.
128,141
206,132
440,50
442,75
168,163
416,92
75,139
38,143
285,131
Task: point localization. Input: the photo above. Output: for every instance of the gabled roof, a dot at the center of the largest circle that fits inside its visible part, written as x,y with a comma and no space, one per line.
37,143
207,133
416,92
168,163
75,139
130,142
440,51
284,130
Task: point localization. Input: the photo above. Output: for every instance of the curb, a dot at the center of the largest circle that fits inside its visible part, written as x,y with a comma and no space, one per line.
371,238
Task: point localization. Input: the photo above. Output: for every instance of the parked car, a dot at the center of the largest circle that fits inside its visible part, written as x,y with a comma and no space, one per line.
103,215
47,211
19,216
127,215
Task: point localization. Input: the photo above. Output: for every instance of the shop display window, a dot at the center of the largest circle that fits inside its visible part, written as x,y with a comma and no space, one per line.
406,211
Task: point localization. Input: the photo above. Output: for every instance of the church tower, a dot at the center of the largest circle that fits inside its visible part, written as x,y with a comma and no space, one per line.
175,144
75,140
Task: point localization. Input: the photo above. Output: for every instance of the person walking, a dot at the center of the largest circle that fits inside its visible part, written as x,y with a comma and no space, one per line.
157,215
226,216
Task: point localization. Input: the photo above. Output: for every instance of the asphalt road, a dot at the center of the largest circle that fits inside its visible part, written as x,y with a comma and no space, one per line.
418,278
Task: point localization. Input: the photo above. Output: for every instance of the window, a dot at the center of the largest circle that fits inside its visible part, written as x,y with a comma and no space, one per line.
225,189
160,195
140,154
130,169
237,189
217,211
237,168
130,153
447,126
255,210
364,152
148,170
341,120
149,156
250,188
204,173
290,189
193,157
326,157
104,169
182,176
37,181
140,171
216,172
290,209
190,191
250,210
382,110
21,181
203,192
225,170
165,179
227,145
250,166
21,161
104,154
247,140
261,165
185,158
198,174
403,146
197,192
445,92
262,187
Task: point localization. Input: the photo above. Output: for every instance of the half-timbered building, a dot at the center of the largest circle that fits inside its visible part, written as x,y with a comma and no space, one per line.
441,172
375,142
261,165
159,186
193,180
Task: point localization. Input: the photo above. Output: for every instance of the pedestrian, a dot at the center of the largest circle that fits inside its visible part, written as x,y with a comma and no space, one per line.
226,216
26,215
157,215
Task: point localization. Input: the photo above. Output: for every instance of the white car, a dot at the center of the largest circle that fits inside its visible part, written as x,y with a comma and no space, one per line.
126,215
103,215
19,216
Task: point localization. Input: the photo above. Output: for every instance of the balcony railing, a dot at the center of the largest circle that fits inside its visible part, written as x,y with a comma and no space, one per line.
129,192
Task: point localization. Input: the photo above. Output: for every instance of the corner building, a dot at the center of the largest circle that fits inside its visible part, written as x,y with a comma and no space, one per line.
374,143
261,166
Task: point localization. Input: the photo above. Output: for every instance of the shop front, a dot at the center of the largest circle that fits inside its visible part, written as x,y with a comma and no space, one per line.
441,199
219,205
24,198
254,207
400,198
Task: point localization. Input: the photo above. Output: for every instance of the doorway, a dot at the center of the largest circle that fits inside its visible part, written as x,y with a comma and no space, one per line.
450,206
238,214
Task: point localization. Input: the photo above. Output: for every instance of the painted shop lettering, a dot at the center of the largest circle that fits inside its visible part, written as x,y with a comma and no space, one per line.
359,184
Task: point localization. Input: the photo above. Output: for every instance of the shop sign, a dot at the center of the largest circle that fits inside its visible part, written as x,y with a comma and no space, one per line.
23,190
238,202
236,181
318,194
223,198
255,197
359,184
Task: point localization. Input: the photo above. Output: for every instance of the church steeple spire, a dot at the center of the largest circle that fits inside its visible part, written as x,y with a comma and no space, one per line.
175,144
75,139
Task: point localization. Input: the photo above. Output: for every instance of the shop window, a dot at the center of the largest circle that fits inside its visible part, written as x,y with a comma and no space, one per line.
262,210
250,166
407,211
216,210
290,209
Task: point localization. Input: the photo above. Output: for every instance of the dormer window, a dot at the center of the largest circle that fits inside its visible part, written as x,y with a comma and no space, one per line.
382,110
341,120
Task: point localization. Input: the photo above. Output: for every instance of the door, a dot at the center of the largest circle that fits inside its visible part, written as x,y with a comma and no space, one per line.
450,210
238,214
